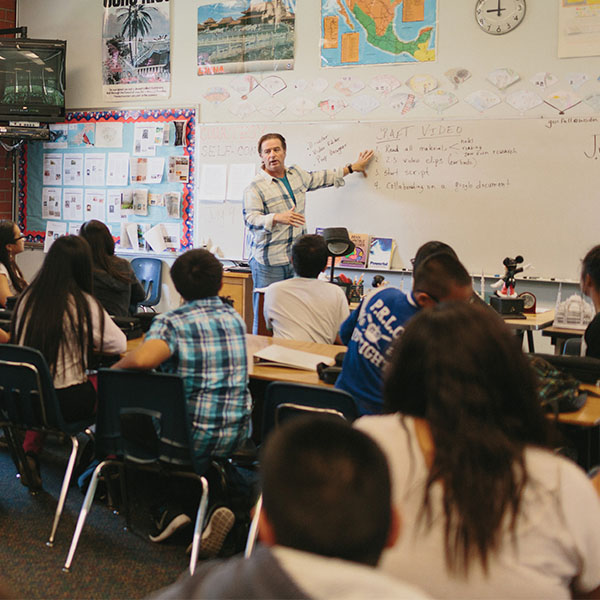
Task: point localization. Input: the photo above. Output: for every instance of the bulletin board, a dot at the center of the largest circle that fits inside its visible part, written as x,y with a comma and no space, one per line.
120,165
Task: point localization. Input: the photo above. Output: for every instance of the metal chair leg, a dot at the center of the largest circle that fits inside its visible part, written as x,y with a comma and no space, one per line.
252,533
199,525
85,508
64,490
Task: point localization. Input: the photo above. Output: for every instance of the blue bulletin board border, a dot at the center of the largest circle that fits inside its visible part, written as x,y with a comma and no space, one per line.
123,116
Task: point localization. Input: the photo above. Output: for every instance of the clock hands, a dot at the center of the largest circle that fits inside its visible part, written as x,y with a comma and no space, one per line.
497,10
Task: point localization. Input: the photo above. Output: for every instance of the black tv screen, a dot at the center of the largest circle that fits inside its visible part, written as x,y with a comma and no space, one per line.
32,80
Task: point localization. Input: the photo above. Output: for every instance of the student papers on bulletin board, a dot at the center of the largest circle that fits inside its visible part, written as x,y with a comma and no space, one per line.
133,170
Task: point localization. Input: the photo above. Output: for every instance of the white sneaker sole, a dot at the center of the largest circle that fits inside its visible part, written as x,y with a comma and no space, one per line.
177,523
219,525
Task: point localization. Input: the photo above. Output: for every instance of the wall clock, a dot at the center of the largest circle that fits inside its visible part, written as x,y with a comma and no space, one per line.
499,16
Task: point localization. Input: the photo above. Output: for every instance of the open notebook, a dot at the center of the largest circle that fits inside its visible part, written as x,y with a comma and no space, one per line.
280,356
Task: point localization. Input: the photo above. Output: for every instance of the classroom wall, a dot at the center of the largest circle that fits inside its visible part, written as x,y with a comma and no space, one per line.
8,19
530,49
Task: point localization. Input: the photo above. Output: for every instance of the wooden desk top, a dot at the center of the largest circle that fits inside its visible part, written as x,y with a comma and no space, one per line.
537,321
257,342
562,332
589,414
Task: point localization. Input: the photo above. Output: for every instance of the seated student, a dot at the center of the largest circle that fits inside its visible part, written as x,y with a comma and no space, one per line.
115,283
203,341
325,520
381,317
489,510
590,286
58,315
12,242
306,308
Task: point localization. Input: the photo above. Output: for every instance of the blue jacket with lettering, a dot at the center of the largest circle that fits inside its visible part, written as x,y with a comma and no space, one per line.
368,332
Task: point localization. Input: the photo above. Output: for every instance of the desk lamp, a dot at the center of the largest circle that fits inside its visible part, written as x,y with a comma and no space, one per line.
338,244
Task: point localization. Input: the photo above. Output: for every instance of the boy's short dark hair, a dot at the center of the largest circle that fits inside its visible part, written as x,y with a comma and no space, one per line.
309,255
197,274
326,489
439,273
429,248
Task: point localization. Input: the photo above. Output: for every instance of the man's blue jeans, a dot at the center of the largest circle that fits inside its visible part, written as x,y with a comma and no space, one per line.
262,276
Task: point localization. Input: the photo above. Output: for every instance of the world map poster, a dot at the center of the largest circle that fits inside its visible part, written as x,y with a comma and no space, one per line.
370,32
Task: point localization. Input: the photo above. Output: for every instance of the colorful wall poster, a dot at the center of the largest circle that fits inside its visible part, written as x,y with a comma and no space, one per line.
361,32
244,36
136,50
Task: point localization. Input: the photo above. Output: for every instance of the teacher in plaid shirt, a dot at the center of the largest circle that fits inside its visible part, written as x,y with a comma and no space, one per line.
274,208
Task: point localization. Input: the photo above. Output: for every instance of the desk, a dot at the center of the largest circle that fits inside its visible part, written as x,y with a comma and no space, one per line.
238,286
530,324
258,342
559,335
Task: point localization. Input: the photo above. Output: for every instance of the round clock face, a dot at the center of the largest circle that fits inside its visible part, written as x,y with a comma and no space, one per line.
528,300
499,16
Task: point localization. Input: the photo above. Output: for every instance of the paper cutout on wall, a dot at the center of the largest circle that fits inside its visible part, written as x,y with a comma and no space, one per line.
271,108
544,80
457,76
273,84
502,78
216,95
243,85
403,102
593,100
384,84
301,106
576,80
440,100
562,100
523,100
332,106
481,100
349,85
53,231
109,135
51,202
422,84
319,85
242,108
364,103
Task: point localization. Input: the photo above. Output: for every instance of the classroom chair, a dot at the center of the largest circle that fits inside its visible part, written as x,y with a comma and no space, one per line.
28,402
149,274
284,401
143,423
572,346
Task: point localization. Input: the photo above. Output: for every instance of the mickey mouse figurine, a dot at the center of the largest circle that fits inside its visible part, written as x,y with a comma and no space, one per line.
511,269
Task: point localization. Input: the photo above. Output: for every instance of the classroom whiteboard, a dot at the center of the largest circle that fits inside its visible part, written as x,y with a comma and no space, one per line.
490,188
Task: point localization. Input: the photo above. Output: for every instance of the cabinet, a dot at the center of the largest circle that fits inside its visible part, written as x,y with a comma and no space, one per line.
238,286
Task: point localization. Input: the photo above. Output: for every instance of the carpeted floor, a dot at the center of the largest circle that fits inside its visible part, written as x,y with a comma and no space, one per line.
110,562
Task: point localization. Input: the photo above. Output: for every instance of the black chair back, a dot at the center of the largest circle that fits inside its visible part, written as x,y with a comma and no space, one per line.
142,417
317,397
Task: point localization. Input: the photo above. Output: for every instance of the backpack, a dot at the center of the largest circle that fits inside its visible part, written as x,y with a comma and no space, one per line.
558,391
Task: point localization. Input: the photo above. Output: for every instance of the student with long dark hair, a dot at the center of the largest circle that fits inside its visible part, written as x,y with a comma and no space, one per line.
489,511
12,242
58,315
115,283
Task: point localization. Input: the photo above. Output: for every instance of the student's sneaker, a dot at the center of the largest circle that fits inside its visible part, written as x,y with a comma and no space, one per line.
168,523
219,525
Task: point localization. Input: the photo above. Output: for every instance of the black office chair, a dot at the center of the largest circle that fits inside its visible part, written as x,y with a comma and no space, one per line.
126,400
284,401
28,402
149,274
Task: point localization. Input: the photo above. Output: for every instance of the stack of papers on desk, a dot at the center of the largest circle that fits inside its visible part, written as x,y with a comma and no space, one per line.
280,356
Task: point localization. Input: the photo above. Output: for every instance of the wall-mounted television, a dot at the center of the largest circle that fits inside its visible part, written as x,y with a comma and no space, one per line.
32,80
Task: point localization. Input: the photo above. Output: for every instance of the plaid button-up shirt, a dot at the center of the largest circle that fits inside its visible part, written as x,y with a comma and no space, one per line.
271,244
207,340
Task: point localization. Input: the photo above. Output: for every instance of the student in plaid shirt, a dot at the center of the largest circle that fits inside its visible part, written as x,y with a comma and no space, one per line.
274,208
203,341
